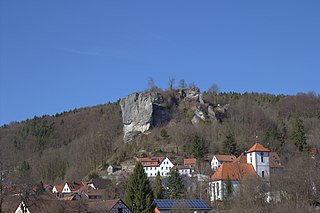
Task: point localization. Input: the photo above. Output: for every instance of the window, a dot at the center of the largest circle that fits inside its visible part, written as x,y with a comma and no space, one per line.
120,210
262,174
251,159
261,157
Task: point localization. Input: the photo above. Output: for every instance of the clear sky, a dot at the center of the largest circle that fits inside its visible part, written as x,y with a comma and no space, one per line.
65,54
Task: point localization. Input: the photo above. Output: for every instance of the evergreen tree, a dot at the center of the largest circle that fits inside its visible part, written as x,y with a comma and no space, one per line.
198,149
298,135
175,188
139,195
229,145
229,188
157,187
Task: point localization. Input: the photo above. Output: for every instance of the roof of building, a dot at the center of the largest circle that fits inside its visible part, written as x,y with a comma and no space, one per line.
58,187
74,186
40,206
233,171
225,158
182,204
154,161
181,167
241,159
189,161
257,147
104,205
100,183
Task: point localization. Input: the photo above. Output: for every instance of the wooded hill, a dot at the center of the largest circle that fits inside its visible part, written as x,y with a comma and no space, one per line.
71,145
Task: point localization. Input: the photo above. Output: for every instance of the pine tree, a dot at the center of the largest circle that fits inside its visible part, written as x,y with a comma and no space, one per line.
229,145
157,187
175,188
139,195
198,147
298,135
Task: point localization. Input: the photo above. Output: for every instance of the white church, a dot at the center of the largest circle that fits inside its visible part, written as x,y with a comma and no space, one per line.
256,162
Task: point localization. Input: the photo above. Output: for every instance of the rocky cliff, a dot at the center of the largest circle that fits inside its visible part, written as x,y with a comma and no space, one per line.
142,111
145,110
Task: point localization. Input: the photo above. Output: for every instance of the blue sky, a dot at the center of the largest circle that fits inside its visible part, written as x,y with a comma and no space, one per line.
60,55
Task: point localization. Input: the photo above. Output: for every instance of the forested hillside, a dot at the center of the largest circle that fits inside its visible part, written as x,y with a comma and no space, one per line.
70,145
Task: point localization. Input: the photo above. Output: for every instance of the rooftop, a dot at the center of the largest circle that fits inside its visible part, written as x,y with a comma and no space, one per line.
257,147
182,204
225,158
234,171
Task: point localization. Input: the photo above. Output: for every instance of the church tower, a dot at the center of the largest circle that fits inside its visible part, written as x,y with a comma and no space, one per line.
258,156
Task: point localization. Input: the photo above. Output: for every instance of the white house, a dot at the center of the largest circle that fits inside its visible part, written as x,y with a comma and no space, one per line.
217,160
156,164
70,187
22,208
183,170
255,163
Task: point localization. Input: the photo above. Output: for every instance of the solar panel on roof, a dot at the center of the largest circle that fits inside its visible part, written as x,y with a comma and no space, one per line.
187,204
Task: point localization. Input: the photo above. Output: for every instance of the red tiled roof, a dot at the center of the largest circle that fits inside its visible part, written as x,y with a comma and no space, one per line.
75,186
225,158
241,159
234,170
190,161
155,161
257,147
59,187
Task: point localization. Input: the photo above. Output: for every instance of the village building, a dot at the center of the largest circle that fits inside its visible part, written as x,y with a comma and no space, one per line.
156,164
113,206
168,206
71,187
258,161
98,183
183,170
218,160
113,168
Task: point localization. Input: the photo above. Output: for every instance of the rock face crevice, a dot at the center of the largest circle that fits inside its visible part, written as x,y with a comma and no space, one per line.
142,111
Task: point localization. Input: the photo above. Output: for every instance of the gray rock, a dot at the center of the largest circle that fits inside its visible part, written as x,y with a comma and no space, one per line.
142,111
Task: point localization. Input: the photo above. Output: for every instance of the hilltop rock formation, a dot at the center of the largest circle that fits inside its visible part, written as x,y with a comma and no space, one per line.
142,111
145,110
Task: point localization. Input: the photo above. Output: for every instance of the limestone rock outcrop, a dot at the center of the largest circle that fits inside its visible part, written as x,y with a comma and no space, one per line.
142,111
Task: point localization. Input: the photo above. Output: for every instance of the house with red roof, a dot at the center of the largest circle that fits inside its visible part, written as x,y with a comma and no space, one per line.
71,187
218,160
190,162
258,161
156,164
183,170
